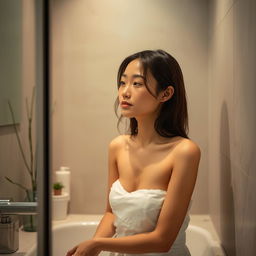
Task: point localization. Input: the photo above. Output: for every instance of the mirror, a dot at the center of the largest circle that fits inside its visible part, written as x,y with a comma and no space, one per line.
24,144
10,60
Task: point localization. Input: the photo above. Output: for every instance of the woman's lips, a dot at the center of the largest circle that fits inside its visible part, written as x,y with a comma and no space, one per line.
125,104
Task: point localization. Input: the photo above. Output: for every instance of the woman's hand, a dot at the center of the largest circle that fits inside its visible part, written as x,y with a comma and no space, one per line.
86,248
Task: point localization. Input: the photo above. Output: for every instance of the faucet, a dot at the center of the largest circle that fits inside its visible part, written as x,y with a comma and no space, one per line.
9,223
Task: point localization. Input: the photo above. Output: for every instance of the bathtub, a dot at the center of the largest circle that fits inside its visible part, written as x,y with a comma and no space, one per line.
66,235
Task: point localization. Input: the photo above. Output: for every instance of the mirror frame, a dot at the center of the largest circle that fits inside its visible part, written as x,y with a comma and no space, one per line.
44,235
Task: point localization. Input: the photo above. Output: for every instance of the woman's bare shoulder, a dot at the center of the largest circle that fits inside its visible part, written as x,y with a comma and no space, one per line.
187,148
117,142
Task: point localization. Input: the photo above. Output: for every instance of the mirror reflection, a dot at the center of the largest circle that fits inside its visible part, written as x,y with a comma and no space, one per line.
18,171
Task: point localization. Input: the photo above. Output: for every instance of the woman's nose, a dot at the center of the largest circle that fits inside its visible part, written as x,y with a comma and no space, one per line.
126,92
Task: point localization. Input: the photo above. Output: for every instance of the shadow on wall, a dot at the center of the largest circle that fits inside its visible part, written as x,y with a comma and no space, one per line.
227,221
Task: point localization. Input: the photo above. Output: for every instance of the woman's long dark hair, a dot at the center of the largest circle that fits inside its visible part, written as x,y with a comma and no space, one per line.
173,116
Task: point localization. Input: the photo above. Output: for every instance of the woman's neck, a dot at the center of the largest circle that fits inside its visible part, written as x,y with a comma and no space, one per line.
146,132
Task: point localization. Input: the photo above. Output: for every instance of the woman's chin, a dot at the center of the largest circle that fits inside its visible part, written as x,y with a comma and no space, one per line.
126,114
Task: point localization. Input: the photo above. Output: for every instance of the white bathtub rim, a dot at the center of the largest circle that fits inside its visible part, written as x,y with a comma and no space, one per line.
215,245
58,226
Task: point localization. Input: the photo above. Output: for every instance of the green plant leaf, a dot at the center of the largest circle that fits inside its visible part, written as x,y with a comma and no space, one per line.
58,185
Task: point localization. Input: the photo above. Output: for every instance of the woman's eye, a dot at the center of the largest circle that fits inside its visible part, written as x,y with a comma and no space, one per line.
121,83
137,84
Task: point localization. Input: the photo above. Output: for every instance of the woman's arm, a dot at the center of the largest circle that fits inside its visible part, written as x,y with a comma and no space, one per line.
173,211
105,227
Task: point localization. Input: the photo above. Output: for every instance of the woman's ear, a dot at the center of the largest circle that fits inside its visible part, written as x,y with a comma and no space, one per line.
166,94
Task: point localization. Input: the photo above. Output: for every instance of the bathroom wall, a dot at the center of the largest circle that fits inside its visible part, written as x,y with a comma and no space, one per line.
11,162
89,40
232,124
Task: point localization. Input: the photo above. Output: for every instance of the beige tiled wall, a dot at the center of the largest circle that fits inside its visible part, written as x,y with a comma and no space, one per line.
89,40
11,162
232,124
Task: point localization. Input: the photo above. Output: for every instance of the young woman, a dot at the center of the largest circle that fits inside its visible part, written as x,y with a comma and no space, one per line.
153,170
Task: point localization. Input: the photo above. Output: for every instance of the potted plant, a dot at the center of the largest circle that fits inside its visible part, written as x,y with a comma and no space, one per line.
57,188
29,221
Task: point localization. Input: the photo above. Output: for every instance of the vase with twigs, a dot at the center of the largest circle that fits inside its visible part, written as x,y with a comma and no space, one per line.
29,221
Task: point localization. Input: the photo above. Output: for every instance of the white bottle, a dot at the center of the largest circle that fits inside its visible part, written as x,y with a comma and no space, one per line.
63,176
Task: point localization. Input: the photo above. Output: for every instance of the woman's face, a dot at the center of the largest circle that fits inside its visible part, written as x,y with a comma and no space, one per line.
134,98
